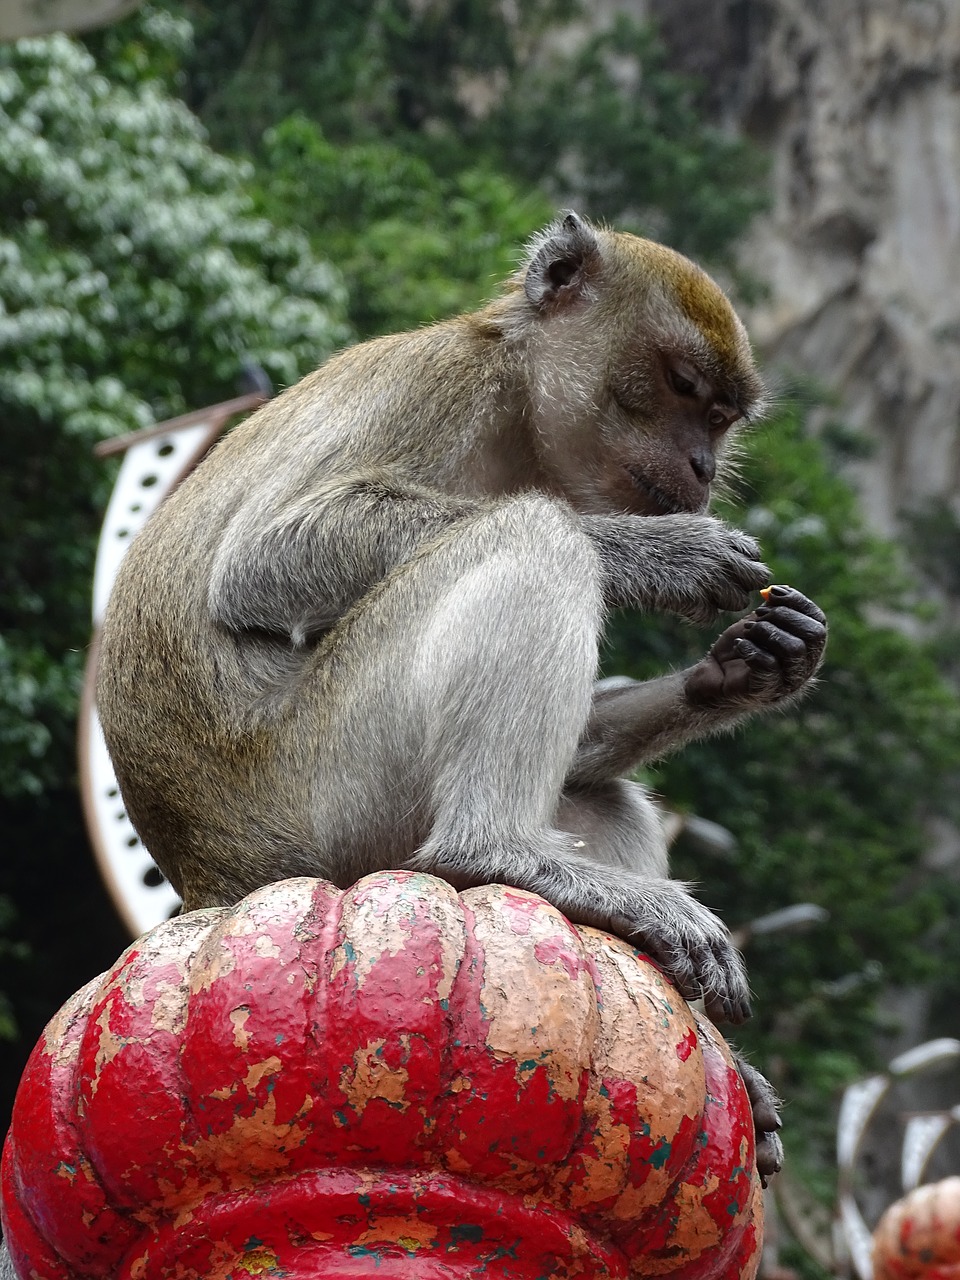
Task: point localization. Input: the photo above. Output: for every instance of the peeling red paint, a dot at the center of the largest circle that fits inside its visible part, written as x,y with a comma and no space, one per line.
395,1080
687,1046
918,1238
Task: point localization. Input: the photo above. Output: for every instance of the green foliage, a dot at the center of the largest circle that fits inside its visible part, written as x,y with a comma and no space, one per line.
411,246
610,126
365,71
933,531
150,45
134,277
828,802
591,117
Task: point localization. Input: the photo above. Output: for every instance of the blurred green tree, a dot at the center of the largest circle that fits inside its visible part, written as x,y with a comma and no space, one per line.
411,245
533,90
371,70
134,278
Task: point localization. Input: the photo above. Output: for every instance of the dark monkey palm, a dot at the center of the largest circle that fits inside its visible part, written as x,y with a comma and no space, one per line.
364,632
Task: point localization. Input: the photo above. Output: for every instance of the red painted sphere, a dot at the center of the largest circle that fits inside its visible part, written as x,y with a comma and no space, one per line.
395,1081
918,1238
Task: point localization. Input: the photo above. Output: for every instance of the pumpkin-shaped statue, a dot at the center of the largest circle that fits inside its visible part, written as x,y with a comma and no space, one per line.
395,1081
918,1238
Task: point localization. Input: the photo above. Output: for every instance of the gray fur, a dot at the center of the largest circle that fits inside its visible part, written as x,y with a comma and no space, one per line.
363,634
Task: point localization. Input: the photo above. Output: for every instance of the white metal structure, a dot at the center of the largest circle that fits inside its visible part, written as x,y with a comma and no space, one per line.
858,1107
155,462
38,17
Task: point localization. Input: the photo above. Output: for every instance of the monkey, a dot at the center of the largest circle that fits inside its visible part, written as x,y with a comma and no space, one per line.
363,633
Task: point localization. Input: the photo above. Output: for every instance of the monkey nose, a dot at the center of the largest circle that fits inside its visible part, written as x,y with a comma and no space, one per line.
704,466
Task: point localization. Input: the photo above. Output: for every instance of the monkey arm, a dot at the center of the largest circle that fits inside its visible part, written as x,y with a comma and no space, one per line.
641,722
690,565
762,661
296,572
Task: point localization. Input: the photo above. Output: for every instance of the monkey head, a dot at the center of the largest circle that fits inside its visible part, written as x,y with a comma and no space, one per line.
639,366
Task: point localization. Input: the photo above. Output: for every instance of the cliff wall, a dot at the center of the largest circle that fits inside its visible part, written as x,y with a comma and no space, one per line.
858,105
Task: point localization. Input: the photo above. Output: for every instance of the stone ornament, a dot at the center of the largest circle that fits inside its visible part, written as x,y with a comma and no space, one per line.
918,1238
394,1081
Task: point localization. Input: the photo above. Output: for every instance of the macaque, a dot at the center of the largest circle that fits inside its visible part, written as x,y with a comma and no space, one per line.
363,634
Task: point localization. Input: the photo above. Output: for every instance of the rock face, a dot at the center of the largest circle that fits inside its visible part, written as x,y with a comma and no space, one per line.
858,106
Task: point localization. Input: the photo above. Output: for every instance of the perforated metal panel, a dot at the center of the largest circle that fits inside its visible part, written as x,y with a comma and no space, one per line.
155,461
151,469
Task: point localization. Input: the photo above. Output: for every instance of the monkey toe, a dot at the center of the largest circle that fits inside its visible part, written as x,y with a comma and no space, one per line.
763,1097
769,1156
765,1106
696,954
678,963
731,1005
683,965
723,983
766,1117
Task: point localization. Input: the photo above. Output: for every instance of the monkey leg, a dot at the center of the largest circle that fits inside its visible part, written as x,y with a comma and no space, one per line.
446,711
452,699
616,823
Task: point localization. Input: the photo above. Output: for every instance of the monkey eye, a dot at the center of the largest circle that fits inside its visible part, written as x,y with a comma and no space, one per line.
719,418
682,385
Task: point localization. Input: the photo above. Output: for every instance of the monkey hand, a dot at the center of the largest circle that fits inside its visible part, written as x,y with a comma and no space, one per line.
712,567
766,656
766,1118
689,943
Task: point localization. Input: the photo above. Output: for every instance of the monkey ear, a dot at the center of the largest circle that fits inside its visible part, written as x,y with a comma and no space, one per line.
561,262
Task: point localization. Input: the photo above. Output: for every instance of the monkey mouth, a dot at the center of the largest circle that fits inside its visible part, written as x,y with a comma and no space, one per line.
667,504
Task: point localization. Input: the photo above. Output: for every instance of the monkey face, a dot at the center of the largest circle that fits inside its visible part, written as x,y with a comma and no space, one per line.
658,441
641,368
